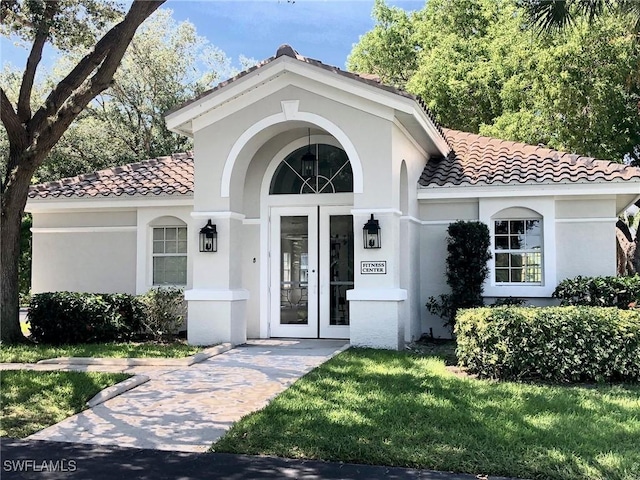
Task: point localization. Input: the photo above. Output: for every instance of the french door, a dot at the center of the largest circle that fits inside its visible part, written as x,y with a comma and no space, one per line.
311,269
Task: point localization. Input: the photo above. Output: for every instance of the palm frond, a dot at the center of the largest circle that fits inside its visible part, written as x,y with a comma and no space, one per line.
548,15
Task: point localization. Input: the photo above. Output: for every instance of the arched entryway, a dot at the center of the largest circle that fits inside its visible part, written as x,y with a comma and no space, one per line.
310,241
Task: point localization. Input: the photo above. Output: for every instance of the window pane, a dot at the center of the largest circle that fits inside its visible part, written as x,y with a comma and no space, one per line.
170,246
170,270
534,227
502,259
502,227
533,242
158,233
517,226
170,233
287,178
533,259
182,246
532,274
158,247
502,243
182,234
158,271
516,241
516,275
502,275
516,260
176,270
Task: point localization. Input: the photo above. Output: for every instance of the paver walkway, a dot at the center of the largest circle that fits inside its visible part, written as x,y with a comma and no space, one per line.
187,409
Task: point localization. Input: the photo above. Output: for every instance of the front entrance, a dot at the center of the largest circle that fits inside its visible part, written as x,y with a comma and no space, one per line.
311,269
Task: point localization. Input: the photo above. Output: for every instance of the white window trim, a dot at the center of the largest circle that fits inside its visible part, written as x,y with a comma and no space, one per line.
147,219
177,254
546,208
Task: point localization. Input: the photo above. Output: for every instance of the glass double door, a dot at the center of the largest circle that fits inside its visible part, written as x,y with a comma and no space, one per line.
311,271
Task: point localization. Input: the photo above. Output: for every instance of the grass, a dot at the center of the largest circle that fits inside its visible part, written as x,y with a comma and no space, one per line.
33,353
33,400
401,409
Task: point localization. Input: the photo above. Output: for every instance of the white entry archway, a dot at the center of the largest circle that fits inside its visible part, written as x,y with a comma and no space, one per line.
307,298
290,112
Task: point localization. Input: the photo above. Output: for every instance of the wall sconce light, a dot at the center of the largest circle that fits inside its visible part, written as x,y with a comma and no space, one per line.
371,233
208,238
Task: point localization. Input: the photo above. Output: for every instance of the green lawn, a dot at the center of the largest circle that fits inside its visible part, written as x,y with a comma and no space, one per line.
33,353
394,408
31,401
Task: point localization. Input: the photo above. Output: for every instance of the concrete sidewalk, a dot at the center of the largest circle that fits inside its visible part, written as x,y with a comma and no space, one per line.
187,409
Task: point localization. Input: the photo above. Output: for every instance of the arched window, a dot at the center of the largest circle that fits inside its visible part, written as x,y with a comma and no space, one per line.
333,172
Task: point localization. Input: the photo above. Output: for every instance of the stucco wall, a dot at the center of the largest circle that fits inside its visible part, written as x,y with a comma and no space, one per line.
370,134
112,218
579,237
409,161
436,217
585,233
251,276
101,262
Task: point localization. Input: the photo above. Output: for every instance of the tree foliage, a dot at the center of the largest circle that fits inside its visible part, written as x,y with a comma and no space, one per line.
550,15
34,129
480,68
166,64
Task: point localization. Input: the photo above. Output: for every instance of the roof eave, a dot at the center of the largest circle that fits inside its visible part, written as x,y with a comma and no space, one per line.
527,190
50,204
180,120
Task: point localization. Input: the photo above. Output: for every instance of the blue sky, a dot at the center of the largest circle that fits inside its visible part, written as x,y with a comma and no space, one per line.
325,30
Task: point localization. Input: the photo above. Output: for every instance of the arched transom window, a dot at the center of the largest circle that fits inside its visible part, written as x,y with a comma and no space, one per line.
332,172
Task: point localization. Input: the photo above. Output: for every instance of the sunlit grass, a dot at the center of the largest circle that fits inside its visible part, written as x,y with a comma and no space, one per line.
33,353
31,401
390,408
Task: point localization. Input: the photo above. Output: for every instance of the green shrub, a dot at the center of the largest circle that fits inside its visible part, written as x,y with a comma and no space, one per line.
468,252
559,344
165,311
58,318
509,301
599,291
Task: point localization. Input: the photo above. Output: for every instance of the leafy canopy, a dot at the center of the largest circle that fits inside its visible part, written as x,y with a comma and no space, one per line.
480,68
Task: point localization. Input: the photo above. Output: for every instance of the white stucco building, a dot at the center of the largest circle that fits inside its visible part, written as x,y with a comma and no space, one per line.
291,257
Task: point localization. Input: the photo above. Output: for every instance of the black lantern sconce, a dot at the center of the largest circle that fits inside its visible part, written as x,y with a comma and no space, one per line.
371,233
208,238
308,162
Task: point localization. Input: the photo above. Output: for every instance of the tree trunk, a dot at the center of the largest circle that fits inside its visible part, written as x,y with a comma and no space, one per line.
14,199
31,139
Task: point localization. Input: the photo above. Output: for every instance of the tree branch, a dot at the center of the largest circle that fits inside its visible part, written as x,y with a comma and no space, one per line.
113,44
56,117
15,130
42,34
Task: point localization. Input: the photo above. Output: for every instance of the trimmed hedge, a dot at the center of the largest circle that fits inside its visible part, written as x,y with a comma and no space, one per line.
559,344
59,318
599,291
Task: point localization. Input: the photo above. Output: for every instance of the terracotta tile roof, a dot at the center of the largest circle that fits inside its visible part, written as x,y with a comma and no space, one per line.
287,50
171,175
478,160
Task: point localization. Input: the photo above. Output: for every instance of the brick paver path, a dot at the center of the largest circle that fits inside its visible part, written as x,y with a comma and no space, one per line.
187,409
